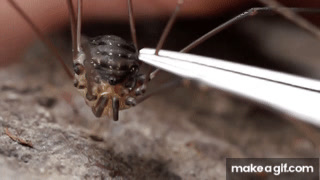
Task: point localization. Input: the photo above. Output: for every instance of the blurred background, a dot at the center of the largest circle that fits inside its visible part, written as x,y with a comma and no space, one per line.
183,133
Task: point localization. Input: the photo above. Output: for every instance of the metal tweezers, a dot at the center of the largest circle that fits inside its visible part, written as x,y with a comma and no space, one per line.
290,94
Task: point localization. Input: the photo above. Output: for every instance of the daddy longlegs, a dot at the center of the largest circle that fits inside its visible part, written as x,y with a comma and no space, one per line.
107,68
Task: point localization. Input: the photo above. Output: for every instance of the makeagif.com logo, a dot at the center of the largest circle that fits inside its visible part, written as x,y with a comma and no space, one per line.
274,169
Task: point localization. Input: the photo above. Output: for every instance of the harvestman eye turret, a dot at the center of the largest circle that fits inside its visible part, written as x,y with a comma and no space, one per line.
107,68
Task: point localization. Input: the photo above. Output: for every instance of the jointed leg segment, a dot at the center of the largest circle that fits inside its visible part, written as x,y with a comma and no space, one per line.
45,40
248,13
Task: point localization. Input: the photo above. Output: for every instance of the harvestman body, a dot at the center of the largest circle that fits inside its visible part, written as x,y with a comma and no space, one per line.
107,75
107,67
107,71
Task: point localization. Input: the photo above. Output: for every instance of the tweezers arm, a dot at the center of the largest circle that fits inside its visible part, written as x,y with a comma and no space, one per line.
299,98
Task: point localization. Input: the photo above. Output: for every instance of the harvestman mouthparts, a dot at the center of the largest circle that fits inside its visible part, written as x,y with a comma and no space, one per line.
107,68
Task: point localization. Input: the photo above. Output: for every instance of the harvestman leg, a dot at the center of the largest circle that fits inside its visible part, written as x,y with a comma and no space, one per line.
248,13
73,27
164,87
144,79
45,40
103,100
79,19
76,41
77,50
292,16
306,129
152,72
132,25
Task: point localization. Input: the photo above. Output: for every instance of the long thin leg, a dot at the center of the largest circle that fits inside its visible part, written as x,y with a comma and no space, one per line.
79,26
45,40
292,16
132,25
152,73
248,13
168,85
306,129
168,26
131,101
73,27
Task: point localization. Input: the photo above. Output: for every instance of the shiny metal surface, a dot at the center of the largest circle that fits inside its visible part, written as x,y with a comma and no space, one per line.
294,95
